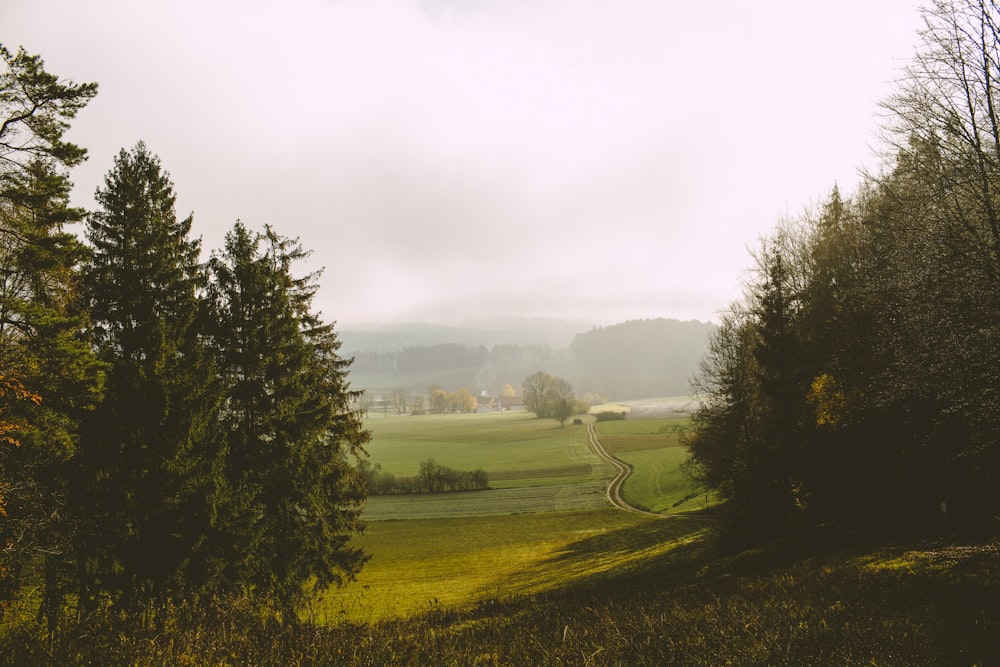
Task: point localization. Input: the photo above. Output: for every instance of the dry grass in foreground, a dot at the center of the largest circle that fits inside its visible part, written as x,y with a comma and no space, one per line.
788,603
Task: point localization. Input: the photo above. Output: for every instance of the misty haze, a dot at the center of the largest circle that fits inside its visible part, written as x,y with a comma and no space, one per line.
499,332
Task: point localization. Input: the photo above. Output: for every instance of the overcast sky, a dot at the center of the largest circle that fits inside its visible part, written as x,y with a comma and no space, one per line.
449,160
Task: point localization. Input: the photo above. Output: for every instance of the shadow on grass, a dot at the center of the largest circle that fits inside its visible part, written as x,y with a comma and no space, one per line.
665,549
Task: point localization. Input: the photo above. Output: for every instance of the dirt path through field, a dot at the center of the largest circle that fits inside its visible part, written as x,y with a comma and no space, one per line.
614,492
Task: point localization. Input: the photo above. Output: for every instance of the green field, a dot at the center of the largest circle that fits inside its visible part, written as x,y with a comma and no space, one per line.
577,496
534,464
510,444
544,523
653,449
463,562
657,482
638,434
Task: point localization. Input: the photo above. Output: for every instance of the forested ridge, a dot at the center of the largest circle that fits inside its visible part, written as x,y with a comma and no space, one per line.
451,356
858,379
639,358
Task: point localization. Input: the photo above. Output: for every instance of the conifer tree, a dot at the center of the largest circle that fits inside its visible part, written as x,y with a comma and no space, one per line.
42,353
292,493
777,359
724,427
147,453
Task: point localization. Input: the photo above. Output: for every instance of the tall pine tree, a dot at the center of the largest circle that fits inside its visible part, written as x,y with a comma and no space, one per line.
147,454
292,495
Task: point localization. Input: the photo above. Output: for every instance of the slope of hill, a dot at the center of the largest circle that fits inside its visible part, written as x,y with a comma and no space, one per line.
690,603
639,358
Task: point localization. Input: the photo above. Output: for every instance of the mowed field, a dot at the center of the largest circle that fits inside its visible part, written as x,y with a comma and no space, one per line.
534,464
499,442
544,523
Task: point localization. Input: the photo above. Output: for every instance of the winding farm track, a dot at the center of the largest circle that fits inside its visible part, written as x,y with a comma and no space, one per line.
614,492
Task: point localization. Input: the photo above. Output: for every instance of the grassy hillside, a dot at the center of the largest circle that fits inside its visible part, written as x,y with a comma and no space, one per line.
468,580
534,465
670,593
458,563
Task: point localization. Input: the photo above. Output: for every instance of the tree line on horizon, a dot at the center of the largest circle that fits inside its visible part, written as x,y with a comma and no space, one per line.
634,359
449,356
170,429
858,378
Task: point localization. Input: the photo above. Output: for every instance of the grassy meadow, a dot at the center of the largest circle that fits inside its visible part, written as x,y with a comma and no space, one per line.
514,444
652,447
460,563
546,502
534,464
512,577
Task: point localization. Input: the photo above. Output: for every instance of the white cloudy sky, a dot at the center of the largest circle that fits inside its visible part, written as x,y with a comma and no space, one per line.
448,160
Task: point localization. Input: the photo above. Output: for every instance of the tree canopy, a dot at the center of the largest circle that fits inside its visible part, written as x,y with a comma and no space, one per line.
49,375
857,380
288,492
551,397
169,429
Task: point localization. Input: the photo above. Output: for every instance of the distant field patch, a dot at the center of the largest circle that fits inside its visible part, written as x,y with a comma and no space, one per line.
609,407
639,434
501,443
565,471
534,465
658,484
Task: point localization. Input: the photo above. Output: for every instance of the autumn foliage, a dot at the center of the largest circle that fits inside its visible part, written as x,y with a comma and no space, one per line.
12,389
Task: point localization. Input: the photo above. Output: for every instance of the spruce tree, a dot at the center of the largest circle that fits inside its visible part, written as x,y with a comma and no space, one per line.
776,353
147,452
292,442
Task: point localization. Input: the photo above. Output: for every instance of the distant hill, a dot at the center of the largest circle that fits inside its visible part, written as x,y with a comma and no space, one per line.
508,331
635,359
639,358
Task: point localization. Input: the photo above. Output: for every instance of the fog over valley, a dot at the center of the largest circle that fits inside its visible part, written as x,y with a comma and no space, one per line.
449,161
499,332
630,360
